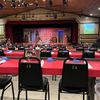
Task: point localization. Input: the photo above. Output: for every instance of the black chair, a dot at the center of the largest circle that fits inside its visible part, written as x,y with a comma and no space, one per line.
80,49
21,48
5,83
63,53
30,77
74,77
2,52
11,48
49,48
45,53
92,49
88,54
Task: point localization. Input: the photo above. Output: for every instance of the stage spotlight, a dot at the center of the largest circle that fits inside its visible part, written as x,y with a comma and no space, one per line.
36,3
25,4
13,5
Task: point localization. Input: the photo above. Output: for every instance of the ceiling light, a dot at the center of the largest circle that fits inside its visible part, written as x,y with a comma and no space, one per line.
36,3
44,0
91,14
99,8
30,4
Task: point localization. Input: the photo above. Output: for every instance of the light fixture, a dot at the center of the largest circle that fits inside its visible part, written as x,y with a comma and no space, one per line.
44,0
36,3
91,14
99,8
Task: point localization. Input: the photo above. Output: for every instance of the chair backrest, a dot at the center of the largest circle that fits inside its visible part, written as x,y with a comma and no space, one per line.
45,53
49,48
21,48
92,49
11,48
75,74
80,48
30,73
63,53
88,54
2,52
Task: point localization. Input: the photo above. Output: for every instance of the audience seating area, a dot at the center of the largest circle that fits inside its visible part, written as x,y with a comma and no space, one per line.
54,59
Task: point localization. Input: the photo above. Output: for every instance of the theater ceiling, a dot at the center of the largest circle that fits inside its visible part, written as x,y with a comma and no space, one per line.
77,7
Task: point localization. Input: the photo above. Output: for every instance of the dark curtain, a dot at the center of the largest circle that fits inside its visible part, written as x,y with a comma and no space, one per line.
17,33
75,34
8,31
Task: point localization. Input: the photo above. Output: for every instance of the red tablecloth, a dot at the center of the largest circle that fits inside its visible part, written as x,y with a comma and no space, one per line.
14,54
49,68
74,54
95,71
9,67
19,54
97,54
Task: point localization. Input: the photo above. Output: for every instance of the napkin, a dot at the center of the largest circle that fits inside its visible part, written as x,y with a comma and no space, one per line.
2,61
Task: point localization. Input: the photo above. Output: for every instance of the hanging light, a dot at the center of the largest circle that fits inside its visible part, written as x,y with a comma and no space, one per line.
36,3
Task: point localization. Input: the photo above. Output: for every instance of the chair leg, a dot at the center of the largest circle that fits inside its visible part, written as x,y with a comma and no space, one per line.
2,94
26,95
18,94
59,92
45,94
48,92
83,95
13,90
53,77
58,95
88,97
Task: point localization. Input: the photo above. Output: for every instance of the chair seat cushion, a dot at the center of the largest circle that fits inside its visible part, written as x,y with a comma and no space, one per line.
37,88
4,80
71,89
